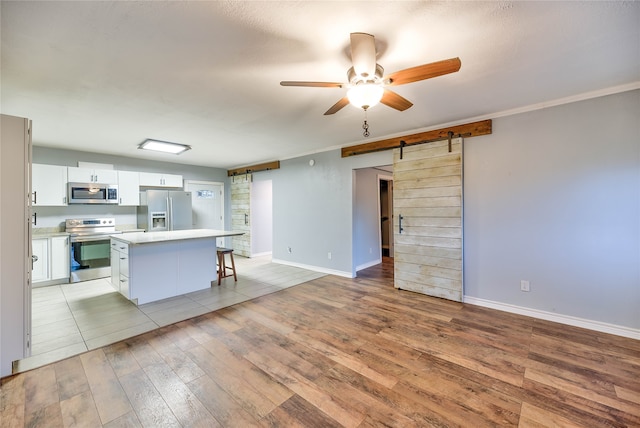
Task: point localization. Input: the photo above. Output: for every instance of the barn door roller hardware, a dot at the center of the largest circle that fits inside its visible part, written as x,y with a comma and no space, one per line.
254,168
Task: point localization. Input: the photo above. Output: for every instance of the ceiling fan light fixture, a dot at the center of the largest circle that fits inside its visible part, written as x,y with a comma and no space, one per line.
365,95
163,146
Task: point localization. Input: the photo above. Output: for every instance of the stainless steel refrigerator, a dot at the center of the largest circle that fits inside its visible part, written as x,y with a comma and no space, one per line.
162,210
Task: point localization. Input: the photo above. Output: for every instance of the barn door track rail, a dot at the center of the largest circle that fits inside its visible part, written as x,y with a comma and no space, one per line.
467,130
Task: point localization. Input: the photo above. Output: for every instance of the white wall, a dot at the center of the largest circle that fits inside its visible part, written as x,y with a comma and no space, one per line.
553,197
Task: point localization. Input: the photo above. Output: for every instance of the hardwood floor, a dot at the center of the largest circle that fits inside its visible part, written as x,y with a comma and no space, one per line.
340,352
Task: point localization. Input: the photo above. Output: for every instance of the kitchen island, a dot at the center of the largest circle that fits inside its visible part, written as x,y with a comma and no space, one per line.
151,266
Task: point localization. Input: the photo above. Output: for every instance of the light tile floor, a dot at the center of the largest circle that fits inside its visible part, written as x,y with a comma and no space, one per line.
69,319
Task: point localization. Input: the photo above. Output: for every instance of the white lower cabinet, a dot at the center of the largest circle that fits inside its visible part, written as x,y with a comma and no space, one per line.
51,261
120,267
59,257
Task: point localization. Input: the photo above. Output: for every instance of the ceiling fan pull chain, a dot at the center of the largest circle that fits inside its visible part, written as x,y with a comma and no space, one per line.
365,125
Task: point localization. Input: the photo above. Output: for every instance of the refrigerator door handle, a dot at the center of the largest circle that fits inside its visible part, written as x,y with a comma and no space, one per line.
170,208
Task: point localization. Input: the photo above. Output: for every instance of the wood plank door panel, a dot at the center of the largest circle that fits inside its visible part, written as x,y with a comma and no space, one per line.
241,214
427,204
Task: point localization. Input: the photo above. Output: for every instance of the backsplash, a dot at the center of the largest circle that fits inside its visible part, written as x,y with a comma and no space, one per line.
54,217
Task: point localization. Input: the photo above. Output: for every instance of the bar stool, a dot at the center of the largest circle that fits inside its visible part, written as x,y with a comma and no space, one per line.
222,265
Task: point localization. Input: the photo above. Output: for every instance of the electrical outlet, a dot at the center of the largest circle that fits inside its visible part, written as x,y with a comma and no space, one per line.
329,255
524,285
289,249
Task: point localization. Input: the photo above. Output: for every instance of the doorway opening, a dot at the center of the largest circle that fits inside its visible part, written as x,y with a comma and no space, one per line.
385,208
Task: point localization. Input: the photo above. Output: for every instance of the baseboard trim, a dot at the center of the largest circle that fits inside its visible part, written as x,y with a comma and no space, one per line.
266,253
559,318
368,264
314,268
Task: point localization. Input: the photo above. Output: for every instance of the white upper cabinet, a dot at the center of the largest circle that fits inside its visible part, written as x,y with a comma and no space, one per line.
90,175
154,179
129,188
49,185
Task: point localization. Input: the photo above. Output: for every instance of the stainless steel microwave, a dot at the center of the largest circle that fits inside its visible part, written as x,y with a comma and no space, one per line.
93,193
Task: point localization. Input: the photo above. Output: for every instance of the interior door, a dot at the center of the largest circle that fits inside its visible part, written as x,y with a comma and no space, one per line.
241,213
427,200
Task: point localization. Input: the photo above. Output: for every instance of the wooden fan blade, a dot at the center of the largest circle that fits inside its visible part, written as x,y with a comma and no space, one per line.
393,100
337,106
363,54
422,72
312,84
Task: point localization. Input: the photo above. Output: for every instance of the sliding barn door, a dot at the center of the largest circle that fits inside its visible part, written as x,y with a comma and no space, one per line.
427,206
241,214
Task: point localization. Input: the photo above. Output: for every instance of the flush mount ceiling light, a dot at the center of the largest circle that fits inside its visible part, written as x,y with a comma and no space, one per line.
163,146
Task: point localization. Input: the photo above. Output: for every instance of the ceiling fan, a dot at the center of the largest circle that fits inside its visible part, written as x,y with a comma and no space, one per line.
367,83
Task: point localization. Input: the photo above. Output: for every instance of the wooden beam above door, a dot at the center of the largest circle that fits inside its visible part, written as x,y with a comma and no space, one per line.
254,168
467,130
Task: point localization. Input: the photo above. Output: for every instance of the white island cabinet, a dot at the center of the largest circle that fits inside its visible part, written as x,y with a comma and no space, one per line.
160,265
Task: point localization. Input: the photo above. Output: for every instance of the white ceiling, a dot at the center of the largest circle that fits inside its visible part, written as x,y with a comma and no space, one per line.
103,76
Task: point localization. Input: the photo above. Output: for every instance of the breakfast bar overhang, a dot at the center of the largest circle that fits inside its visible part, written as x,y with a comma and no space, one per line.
151,266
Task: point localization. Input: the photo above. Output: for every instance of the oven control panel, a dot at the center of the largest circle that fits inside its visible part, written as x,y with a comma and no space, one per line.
90,222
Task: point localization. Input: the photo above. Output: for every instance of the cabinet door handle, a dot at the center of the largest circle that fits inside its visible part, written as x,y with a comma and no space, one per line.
35,197
35,219
246,219
400,228
34,258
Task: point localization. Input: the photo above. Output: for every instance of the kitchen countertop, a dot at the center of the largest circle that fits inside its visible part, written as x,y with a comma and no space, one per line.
138,238
46,233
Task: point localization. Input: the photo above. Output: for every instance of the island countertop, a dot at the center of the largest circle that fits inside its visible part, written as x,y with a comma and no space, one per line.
138,238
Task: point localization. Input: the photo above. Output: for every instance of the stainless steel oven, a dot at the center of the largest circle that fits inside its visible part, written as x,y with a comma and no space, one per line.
90,247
